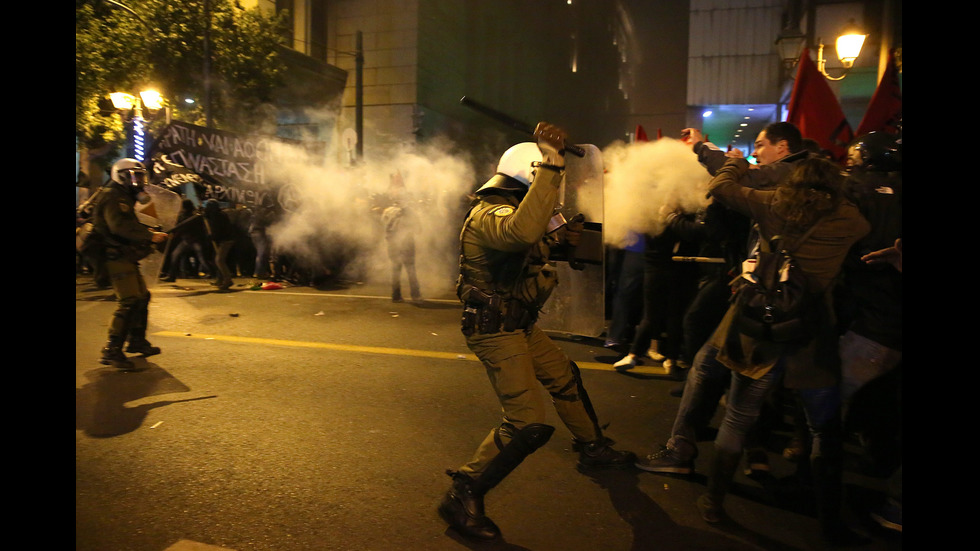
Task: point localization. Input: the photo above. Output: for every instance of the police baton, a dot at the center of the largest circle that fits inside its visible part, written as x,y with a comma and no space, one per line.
513,123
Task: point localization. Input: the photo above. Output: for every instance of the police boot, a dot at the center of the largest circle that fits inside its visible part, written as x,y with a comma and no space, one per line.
723,468
462,506
113,355
142,347
138,343
600,454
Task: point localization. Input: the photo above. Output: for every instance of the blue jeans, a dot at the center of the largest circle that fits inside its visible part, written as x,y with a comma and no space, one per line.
708,380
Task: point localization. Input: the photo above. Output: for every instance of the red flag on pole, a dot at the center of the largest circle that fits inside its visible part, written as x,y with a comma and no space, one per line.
814,109
885,110
641,135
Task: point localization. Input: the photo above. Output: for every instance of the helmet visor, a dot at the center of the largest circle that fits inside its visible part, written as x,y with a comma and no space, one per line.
137,177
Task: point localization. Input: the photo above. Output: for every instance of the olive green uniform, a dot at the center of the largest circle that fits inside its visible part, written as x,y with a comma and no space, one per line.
504,281
123,241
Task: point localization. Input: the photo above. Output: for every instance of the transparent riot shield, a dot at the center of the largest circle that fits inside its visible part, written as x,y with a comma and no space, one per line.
160,213
577,305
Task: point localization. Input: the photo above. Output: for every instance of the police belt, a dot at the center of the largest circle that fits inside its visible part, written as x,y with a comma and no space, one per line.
485,313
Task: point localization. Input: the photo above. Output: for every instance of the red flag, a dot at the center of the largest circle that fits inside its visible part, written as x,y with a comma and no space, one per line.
641,135
814,109
885,110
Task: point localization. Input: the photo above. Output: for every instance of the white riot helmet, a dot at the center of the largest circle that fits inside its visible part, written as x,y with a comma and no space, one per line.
132,176
516,161
514,170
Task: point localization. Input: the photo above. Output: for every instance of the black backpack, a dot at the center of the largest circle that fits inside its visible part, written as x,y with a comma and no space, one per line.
771,296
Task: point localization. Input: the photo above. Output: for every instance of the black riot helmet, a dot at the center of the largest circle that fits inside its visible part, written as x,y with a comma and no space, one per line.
876,152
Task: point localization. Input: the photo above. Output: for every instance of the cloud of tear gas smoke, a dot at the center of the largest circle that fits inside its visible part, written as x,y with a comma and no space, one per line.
336,220
644,181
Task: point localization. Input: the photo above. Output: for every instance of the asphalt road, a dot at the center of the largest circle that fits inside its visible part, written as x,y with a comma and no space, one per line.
308,420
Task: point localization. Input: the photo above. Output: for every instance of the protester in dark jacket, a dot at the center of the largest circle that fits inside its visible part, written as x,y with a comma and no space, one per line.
222,234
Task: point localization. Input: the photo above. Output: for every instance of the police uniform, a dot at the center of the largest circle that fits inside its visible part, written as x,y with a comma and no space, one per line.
122,242
505,279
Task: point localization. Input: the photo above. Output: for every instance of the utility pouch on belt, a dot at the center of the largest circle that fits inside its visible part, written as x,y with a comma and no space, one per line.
487,313
481,312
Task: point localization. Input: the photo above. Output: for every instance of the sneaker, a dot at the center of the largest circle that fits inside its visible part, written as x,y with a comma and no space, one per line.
611,344
655,356
756,462
674,370
667,460
889,515
629,362
794,451
600,454
710,509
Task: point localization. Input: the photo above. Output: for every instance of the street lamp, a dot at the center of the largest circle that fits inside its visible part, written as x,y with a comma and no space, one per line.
789,43
149,99
848,47
791,40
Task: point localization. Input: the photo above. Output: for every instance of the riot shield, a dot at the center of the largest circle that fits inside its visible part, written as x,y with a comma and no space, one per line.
161,212
577,305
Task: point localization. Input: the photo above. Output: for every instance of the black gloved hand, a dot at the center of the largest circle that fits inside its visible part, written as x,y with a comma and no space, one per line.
551,142
574,229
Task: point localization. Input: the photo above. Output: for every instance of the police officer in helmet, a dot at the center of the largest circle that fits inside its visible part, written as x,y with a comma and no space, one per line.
505,279
122,242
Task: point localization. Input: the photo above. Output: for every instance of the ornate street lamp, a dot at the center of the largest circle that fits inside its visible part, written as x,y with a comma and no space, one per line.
128,103
848,46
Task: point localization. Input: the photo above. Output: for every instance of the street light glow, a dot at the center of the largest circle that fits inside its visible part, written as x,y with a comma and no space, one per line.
122,100
151,99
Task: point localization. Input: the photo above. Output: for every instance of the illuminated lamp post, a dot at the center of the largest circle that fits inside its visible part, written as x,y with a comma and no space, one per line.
848,46
126,103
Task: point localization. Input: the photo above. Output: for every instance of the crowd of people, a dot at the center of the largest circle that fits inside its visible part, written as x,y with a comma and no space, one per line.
222,242
839,383
835,380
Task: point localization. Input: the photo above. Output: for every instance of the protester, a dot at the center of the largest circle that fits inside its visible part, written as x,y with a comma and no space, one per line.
222,234
401,224
264,216
778,150
668,287
813,195
627,303
187,241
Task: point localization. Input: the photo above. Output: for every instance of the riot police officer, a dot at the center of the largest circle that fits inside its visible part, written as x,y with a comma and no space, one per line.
504,280
122,241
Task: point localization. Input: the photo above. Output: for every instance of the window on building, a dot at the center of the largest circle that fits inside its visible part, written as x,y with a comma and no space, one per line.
318,29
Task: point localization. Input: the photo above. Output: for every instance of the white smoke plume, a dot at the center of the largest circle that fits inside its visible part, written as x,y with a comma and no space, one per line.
643,182
334,221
